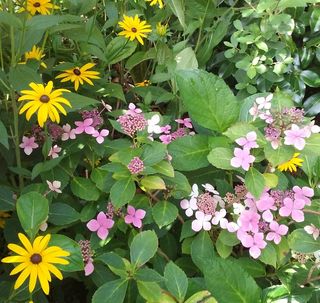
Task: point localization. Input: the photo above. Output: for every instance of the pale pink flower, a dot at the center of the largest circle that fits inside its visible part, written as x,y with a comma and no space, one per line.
69,133
208,187
254,111
100,135
89,268
293,208
295,137
166,129
54,151
107,106
202,222
189,206
219,217
134,216
312,129
165,139
265,204
28,145
303,193
185,122
133,110
136,166
101,225
264,102
55,186
249,220
238,208
312,230
153,126
255,243
194,191
249,141
276,231
232,227
266,116
84,127
242,158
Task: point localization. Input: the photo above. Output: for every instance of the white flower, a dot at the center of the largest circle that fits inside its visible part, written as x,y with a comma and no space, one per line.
202,221
219,217
189,206
208,187
238,208
312,230
311,129
153,126
55,186
264,102
194,191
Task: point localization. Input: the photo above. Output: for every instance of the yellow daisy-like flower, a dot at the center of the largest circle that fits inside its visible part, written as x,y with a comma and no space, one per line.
143,83
155,2
44,100
161,29
36,53
42,7
134,28
3,217
78,75
292,164
36,260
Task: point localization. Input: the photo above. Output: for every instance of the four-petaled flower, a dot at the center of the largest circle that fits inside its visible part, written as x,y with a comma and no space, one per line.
264,102
255,243
68,133
242,158
28,145
54,152
101,225
100,135
189,206
249,141
276,231
134,216
293,208
186,122
55,186
153,126
84,126
202,221
312,230
295,136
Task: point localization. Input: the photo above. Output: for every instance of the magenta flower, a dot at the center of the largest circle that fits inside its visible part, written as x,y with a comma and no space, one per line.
136,166
54,151
101,225
89,268
100,135
134,216
189,206
68,133
312,230
255,243
84,127
133,110
28,145
242,158
293,208
249,141
295,137
165,139
249,221
303,193
202,221
186,122
166,129
276,231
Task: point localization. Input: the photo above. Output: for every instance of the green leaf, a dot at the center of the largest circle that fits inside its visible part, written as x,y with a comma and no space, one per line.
45,166
32,210
278,156
7,202
148,275
153,182
153,153
143,247
202,93
223,250
178,9
310,78
164,213
255,182
189,152
164,168
21,75
10,19
228,282
302,242
271,180
255,268
114,262
176,281
118,49
113,291
78,102
186,59
84,189
269,255
220,157
61,214
150,291
202,296
228,238
122,192
3,135
312,145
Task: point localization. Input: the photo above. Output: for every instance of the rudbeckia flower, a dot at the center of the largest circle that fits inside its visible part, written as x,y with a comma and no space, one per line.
156,2
292,164
36,53
42,7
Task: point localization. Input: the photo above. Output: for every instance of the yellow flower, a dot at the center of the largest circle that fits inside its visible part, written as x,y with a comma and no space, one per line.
292,164
42,7
36,53
44,100
133,28
143,83
155,2
77,75
36,260
161,29
3,216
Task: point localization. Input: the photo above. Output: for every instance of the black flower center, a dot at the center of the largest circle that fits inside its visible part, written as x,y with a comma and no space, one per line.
36,4
77,71
44,99
133,29
36,259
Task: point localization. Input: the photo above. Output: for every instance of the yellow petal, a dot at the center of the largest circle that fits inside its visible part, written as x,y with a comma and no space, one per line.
43,281
86,66
26,243
18,249
23,276
33,278
55,271
14,259
19,268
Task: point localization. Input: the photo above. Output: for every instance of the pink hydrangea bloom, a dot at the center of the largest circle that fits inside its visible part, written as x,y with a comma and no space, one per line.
55,186
202,221
134,216
133,110
276,231
295,137
219,217
68,133
264,102
101,225
249,141
166,129
136,166
254,111
293,208
54,151
89,268
303,193
255,243
100,135
28,145
266,116
84,127
186,122
249,221
189,206
165,139
242,158
312,230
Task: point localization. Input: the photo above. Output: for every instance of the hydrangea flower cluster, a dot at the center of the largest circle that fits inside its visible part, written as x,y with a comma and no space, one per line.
254,221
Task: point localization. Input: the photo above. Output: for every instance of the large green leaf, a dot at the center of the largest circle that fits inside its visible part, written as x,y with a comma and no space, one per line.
84,189
113,291
3,135
6,199
302,242
220,157
208,99
164,213
255,182
118,49
61,214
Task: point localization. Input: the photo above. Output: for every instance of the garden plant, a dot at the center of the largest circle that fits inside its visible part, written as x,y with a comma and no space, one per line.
159,151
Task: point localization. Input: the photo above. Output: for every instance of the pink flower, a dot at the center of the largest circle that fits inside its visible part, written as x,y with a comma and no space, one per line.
242,158
165,139
68,133
89,268
219,217
84,126
100,135
185,122
166,129
249,141
312,129
136,166
255,243
134,216
55,186
28,145
267,117
276,232
254,111
303,193
54,151
293,208
202,222
189,206
264,102
133,110
295,137
101,225
249,220
312,230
